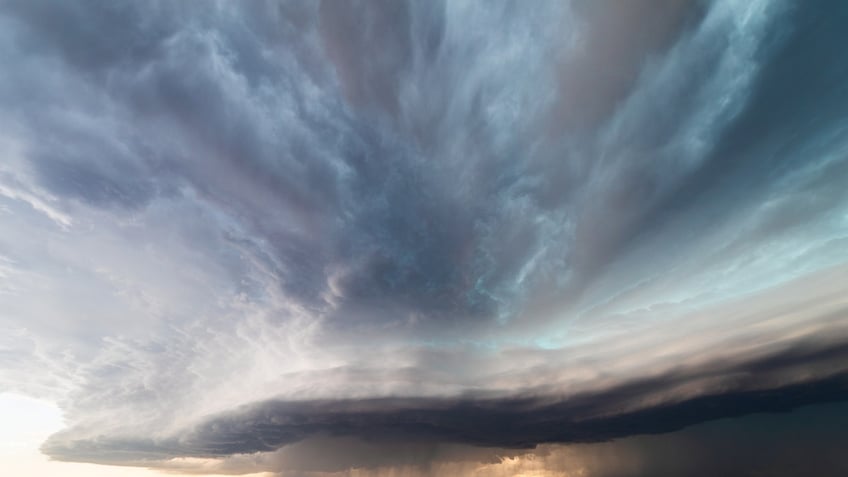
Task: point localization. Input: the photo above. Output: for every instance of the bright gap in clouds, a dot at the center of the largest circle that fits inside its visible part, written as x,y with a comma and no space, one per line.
26,423
325,236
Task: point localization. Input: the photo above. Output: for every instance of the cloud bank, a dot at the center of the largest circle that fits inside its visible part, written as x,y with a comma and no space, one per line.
230,230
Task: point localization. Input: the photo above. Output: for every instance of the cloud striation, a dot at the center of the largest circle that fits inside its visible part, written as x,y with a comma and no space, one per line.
234,234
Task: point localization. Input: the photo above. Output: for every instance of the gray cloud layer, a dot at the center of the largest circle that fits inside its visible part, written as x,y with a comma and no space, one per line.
516,422
304,206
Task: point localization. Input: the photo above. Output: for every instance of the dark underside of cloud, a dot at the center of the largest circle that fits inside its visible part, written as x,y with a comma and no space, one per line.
231,228
514,422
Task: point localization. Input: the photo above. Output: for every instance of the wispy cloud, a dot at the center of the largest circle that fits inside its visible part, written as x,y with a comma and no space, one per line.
229,228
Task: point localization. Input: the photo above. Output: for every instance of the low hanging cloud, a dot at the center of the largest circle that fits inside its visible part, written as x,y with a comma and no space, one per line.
234,234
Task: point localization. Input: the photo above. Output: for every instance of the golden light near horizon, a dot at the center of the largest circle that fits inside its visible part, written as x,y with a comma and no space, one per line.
27,422
423,238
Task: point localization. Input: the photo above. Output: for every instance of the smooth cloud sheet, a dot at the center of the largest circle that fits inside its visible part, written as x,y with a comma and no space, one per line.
238,236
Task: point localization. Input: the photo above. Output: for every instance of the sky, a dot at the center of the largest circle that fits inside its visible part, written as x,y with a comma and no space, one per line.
421,238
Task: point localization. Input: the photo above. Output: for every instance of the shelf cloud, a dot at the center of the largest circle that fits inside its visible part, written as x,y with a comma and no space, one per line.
424,238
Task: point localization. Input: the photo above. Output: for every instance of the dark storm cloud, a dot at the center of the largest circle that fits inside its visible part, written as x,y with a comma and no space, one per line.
202,89
766,141
95,174
230,227
94,36
398,144
766,385
511,423
396,172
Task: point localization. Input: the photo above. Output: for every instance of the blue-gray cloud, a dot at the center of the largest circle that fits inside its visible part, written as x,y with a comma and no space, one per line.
435,201
521,421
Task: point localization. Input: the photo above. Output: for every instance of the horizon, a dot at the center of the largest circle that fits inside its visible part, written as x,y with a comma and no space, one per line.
397,238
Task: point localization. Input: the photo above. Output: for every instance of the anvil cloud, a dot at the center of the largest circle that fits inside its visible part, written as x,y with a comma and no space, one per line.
241,236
